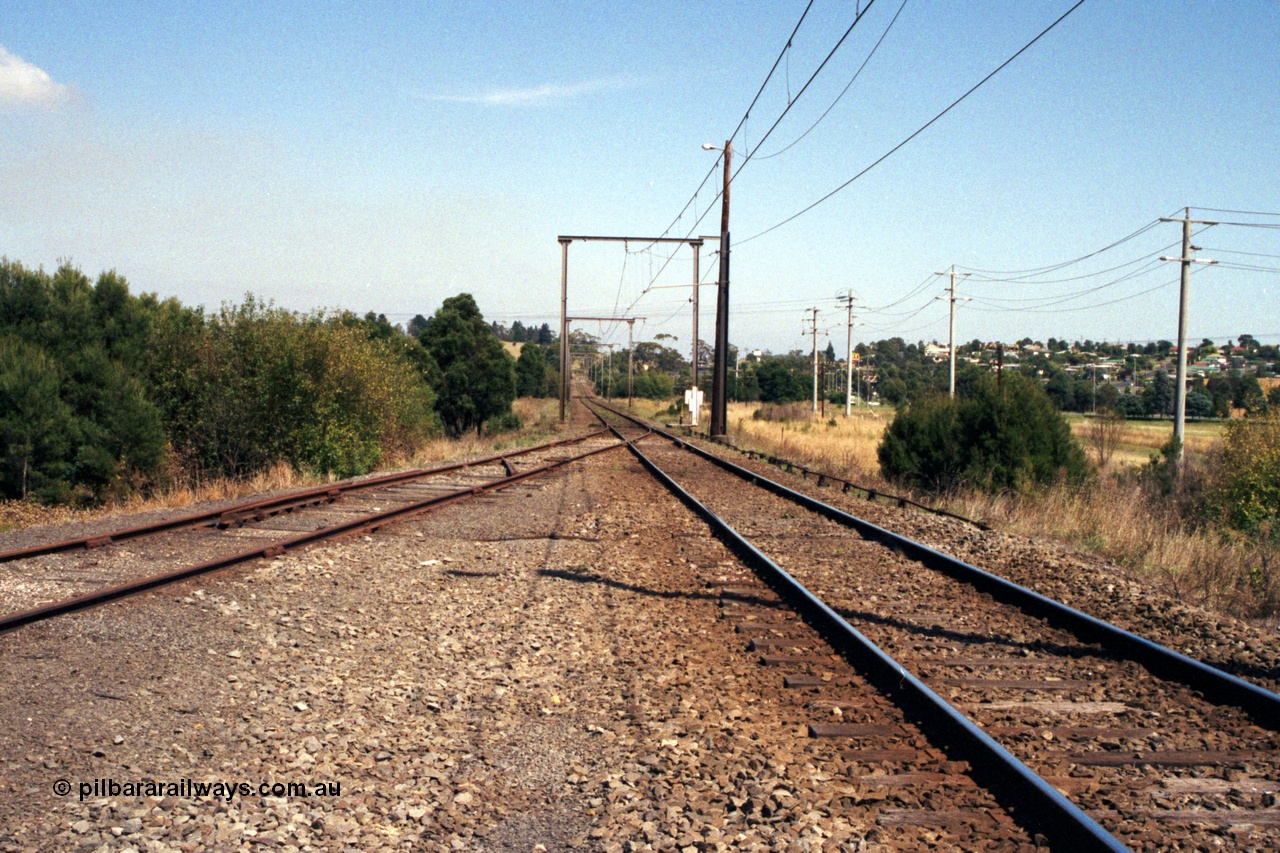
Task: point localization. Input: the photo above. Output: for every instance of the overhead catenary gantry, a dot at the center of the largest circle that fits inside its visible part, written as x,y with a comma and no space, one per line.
631,339
564,241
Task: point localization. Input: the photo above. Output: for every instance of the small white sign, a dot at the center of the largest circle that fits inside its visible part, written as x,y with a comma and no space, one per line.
693,401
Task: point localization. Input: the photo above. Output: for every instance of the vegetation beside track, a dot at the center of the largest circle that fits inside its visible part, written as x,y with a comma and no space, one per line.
1132,515
108,396
538,419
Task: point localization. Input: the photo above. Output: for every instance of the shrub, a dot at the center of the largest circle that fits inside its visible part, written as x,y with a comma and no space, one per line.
653,385
1244,492
782,412
1004,436
506,422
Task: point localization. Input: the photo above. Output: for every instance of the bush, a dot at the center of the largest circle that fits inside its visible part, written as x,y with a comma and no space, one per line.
253,385
782,412
1003,436
506,422
1244,492
653,385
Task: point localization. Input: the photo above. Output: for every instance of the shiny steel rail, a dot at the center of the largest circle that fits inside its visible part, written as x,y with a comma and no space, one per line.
1030,799
1217,686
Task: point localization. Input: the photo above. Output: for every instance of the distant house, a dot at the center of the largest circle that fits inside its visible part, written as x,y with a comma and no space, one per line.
937,352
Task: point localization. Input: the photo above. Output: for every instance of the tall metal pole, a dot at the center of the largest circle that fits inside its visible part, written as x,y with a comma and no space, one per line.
951,339
694,409
848,360
564,326
815,358
720,377
1180,392
951,344
631,328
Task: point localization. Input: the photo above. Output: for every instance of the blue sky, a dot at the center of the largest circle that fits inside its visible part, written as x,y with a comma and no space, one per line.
384,156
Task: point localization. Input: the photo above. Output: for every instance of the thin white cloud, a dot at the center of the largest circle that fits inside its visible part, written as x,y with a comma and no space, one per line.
24,86
536,95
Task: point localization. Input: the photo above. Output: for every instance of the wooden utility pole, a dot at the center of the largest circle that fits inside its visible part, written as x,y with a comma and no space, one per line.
848,359
814,332
1180,392
951,338
720,376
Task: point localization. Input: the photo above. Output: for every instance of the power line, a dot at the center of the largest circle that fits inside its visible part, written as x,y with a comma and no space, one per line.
1237,212
846,88
922,129
741,122
1238,252
790,103
1055,267
1266,225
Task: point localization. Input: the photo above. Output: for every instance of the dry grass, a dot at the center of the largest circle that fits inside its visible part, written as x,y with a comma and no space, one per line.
1111,517
1115,518
838,445
538,421
1139,440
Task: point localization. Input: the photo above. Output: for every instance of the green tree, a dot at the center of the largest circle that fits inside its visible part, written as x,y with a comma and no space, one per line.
478,378
1249,396
1006,435
777,383
37,434
1159,394
531,371
1245,489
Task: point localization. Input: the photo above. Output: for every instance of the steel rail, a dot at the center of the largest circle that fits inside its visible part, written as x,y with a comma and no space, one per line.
872,494
273,505
1035,803
367,524
1217,687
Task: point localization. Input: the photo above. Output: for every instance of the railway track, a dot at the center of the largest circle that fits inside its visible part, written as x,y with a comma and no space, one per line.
51,579
1086,733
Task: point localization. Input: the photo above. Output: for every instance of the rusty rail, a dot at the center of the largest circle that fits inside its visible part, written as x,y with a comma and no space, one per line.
368,524
264,507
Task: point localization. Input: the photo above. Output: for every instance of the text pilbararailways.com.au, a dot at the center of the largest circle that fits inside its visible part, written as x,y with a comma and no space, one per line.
193,789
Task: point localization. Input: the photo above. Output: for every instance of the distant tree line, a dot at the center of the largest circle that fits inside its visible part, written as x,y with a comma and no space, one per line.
105,393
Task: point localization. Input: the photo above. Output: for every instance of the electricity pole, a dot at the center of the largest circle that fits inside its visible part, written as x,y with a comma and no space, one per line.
848,361
814,332
951,339
564,324
697,246
1180,392
631,328
720,378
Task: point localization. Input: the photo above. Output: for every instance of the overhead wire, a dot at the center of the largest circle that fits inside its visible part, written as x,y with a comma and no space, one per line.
982,274
919,131
846,88
785,49
1235,212
790,103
